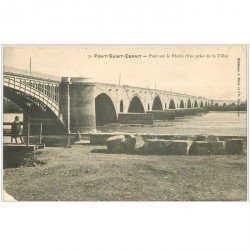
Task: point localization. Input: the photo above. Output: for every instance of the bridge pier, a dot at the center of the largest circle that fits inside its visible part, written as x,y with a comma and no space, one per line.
65,102
82,106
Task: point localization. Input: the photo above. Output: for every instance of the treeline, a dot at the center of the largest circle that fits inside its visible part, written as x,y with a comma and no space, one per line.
10,107
231,107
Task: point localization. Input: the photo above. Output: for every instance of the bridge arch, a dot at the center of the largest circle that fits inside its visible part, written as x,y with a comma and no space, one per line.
35,111
181,104
157,104
171,104
121,106
201,105
189,106
136,105
195,104
104,110
26,102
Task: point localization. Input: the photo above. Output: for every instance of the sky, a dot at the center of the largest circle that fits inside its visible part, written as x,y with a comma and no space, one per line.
207,71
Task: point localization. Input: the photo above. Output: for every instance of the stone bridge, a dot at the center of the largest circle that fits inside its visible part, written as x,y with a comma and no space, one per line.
78,104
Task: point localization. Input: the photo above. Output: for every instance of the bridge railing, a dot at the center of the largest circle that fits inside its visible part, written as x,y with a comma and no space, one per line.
25,72
45,91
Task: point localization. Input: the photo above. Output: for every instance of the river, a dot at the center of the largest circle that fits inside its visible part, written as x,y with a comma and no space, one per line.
213,123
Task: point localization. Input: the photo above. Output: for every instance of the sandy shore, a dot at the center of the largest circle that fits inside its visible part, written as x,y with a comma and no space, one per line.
89,173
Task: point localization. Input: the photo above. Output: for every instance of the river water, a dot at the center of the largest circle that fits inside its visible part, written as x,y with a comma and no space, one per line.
213,123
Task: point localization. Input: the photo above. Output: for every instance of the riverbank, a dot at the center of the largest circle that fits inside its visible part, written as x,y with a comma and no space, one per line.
86,173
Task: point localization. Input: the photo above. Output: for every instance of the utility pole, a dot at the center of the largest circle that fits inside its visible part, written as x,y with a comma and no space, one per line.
30,65
120,79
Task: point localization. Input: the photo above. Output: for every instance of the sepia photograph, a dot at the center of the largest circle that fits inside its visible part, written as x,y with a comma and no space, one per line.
124,125
124,122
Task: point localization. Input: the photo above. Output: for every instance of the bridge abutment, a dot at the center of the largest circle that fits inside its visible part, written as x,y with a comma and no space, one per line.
82,106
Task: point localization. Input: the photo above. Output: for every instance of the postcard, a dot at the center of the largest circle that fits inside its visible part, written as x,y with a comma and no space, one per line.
125,123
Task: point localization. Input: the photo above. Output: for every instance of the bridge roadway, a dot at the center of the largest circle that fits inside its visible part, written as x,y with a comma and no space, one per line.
77,104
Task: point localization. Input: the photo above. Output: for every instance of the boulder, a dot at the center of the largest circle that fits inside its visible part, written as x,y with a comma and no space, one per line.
148,136
200,148
234,146
200,138
100,138
121,143
212,138
139,143
180,147
167,147
207,148
130,139
180,137
217,148
156,146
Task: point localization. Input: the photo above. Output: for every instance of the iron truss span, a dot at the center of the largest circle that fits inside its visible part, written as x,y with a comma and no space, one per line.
42,89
